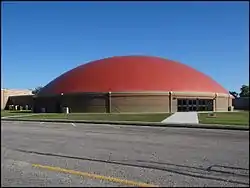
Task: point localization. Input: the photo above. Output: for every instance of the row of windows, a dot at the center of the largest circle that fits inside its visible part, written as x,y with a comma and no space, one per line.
181,102
194,108
195,105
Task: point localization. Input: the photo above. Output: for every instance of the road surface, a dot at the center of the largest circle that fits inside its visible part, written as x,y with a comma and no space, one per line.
56,154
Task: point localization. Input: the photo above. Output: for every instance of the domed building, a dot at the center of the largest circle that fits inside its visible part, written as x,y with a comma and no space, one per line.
133,84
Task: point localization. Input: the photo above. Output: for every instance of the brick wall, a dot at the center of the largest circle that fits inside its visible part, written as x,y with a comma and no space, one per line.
6,93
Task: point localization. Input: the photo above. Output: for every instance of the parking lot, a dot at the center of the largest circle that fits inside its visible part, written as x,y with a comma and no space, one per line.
56,154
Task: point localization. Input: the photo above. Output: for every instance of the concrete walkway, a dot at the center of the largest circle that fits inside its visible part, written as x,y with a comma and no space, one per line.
182,117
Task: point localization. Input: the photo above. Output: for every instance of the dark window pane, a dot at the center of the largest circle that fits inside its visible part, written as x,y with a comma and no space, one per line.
200,102
180,101
190,102
184,102
194,102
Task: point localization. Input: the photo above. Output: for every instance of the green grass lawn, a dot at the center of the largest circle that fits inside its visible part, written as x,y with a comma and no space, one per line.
156,117
5,113
226,118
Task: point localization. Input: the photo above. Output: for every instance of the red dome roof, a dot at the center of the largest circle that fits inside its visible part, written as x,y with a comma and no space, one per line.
130,74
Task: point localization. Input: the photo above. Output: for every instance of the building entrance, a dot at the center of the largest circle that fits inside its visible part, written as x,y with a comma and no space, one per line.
187,105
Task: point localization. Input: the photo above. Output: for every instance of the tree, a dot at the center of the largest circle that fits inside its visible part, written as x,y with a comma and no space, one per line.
244,91
234,93
36,90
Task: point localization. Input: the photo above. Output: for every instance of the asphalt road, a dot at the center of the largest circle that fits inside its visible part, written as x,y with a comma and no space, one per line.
53,154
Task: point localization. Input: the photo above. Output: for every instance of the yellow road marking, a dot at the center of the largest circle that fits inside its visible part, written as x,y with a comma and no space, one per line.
95,176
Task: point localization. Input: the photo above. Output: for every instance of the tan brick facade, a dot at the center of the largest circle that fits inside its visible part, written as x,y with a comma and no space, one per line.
14,93
124,102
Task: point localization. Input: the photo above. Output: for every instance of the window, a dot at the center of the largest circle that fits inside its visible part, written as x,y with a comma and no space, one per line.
195,102
179,102
190,102
200,102
184,108
184,102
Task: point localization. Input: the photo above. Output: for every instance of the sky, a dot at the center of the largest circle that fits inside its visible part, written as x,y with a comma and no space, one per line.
41,40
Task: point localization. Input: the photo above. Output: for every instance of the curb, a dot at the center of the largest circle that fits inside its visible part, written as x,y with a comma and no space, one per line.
148,124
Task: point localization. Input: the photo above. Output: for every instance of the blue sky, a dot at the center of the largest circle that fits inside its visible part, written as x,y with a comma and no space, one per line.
41,40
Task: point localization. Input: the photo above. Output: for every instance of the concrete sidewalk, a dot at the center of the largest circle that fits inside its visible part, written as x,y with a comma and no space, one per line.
182,117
